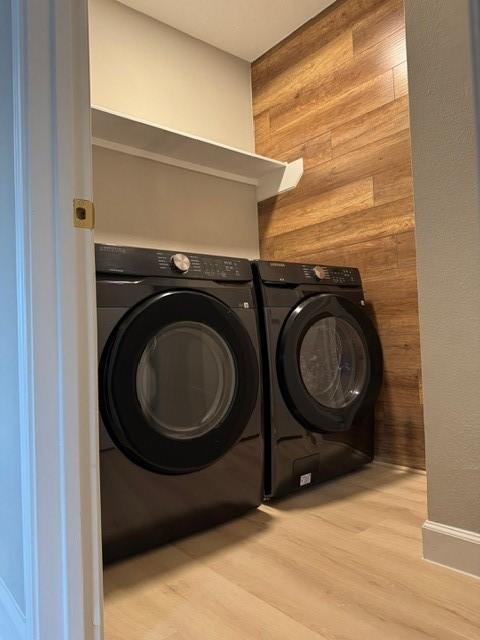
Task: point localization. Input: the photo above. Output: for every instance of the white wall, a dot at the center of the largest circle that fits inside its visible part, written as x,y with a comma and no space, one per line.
12,588
151,71
146,69
143,203
447,211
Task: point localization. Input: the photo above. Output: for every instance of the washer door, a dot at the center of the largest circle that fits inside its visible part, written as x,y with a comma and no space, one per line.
178,381
329,362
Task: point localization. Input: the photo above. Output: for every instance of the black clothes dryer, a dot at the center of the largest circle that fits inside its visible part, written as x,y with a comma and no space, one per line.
179,389
323,373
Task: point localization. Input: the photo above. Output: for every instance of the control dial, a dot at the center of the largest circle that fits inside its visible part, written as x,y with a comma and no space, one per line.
180,262
320,272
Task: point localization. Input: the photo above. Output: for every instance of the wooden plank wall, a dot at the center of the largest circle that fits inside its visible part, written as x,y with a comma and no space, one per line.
335,92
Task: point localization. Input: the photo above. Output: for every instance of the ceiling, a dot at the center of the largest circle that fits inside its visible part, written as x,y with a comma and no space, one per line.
245,28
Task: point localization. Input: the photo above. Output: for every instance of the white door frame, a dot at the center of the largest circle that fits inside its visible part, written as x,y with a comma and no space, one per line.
57,323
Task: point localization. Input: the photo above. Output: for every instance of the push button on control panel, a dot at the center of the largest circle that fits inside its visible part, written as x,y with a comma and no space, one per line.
343,275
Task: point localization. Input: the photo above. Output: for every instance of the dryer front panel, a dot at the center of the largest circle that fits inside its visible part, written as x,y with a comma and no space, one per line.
178,381
329,362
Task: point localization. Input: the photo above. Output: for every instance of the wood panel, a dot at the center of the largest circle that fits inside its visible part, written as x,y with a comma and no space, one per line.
370,127
335,203
377,25
400,80
340,561
336,93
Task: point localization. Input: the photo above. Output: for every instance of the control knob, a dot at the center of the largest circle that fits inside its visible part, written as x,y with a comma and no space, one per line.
320,272
180,262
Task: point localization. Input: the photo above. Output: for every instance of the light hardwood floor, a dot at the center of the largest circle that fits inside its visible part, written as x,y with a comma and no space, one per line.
341,561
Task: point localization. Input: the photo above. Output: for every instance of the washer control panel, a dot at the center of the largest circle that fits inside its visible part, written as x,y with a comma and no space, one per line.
300,273
156,262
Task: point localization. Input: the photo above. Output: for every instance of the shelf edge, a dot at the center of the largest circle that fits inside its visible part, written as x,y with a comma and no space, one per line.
276,164
182,164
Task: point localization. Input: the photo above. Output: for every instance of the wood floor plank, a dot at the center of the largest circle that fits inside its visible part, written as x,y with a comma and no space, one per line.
169,593
338,561
308,590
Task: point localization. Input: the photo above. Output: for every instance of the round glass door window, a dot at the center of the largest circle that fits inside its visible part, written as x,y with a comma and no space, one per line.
186,380
333,362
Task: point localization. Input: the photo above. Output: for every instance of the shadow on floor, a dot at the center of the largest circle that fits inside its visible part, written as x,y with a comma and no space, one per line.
167,560
368,478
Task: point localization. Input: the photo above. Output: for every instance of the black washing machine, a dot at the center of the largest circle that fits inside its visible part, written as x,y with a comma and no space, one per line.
322,376
180,429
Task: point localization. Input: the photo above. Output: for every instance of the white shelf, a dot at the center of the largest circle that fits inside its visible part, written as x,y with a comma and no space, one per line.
135,137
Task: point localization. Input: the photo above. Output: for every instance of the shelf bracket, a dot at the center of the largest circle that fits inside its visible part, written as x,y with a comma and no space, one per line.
280,180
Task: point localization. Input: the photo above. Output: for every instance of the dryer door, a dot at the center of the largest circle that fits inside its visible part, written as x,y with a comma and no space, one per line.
329,362
178,381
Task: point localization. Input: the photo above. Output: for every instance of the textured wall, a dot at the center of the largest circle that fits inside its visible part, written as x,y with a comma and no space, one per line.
335,92
447,202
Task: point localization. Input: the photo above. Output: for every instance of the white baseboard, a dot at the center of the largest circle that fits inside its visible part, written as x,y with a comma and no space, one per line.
452,547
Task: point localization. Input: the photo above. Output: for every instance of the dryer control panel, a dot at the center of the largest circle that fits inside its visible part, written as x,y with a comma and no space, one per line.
300,273
136,261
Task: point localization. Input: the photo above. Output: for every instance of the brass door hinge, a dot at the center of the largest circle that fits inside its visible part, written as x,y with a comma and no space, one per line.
83,214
